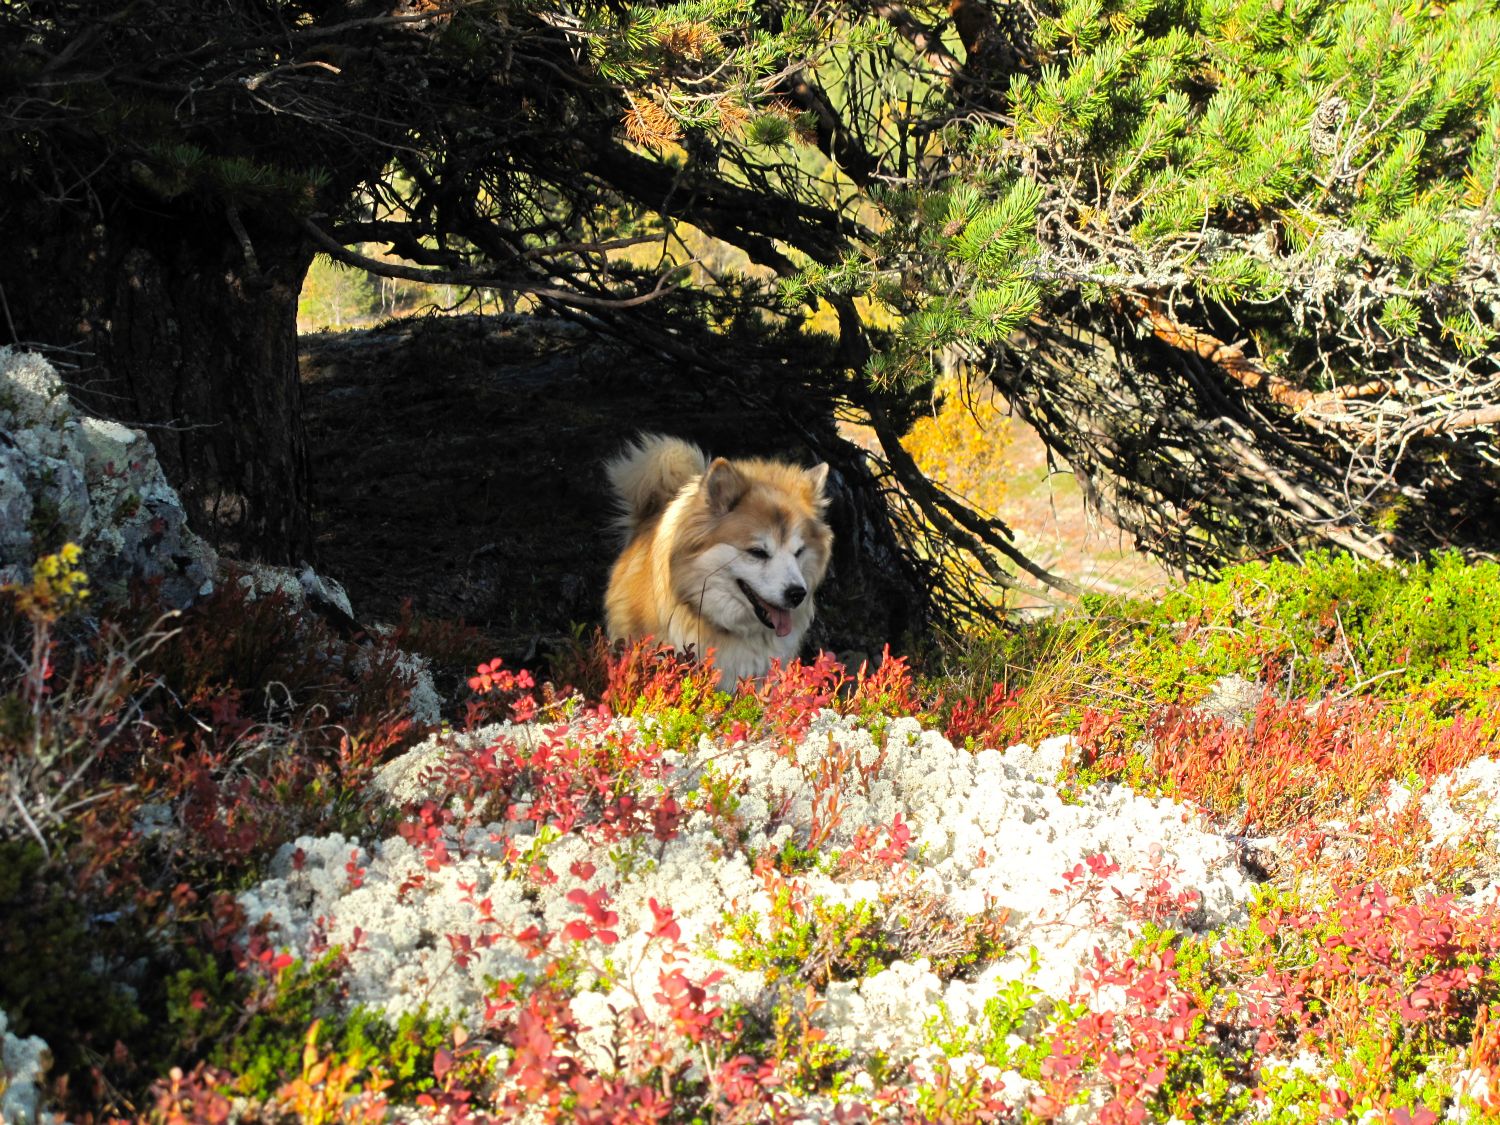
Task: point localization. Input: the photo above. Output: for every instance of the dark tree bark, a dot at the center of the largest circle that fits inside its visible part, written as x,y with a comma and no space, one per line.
179,322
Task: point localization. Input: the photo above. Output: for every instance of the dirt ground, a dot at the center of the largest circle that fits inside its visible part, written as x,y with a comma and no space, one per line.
457,462
1045,508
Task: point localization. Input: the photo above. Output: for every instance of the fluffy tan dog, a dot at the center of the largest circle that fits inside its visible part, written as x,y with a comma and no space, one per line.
722,555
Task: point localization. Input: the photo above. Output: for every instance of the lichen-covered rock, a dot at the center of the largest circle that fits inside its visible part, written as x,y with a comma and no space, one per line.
301,586
68,476
23,1067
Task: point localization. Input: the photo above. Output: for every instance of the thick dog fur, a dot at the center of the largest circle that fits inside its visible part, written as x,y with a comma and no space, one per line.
721,555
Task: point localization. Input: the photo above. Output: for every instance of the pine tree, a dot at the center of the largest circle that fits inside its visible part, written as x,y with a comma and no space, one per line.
172,167
1236,261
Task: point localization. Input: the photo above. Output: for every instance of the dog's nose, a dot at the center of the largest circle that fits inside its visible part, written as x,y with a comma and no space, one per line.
794,594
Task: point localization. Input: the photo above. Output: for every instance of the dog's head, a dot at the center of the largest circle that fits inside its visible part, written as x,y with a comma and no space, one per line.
754,546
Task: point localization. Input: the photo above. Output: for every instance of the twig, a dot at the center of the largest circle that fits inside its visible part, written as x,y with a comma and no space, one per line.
479,279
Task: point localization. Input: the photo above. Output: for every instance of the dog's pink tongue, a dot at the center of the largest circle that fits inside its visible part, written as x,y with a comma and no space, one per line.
781,618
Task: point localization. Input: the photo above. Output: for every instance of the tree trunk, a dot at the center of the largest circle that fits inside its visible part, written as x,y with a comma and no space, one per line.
170,325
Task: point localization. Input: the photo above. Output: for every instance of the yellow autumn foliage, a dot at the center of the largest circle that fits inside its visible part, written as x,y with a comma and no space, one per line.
58,586
963,443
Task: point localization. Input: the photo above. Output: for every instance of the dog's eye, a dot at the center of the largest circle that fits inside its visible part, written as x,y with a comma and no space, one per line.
758,553
798,555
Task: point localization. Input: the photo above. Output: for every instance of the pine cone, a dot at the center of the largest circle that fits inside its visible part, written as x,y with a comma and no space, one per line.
1327,120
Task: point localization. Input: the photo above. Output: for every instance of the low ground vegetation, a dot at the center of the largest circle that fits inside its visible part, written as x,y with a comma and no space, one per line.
1228,855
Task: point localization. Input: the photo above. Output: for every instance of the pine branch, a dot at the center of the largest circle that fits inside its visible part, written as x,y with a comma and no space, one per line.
1463,420
478,278
957,522
925,41
1228,358
832,134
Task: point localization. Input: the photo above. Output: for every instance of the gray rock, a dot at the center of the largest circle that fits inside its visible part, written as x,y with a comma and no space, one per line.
66,476
301,586
1233,699
15,513
23,1071
318,587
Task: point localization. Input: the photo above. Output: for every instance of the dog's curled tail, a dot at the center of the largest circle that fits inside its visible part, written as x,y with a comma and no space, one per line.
648,473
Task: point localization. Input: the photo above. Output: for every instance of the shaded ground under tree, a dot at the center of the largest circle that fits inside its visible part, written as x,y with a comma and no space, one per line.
456,461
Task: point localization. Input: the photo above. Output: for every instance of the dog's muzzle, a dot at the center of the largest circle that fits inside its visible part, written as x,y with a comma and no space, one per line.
769,614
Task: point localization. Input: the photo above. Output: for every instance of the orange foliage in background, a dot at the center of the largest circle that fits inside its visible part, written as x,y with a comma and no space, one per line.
964,442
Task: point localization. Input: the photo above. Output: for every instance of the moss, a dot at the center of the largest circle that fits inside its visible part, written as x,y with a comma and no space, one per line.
817,942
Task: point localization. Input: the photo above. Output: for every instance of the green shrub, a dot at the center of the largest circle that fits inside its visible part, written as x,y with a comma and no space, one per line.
1427,632
60,963
256,1028
1424,637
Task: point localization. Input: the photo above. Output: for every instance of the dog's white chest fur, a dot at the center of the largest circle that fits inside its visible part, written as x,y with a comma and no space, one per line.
740,656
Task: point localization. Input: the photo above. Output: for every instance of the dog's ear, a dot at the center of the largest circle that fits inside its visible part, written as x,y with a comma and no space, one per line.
817,479
724,485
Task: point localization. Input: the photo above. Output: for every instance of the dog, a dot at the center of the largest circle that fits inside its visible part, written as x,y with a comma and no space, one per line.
719,555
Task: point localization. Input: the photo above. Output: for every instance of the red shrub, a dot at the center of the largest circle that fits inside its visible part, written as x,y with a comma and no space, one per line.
647,676
980,722
890,690
793,694
587,776
1414,965
1298,760
1129,1052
